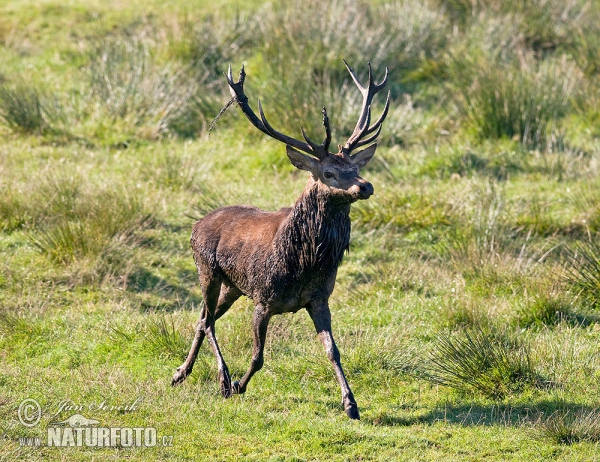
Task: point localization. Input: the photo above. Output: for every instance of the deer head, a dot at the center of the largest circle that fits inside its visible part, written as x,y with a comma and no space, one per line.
338,171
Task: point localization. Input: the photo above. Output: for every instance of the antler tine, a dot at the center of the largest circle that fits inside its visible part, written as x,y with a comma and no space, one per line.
368,140
314,146
327,140
360,86
237,92
381,118
363,128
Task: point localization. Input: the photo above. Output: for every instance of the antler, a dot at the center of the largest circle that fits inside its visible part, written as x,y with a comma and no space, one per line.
362,128
310,147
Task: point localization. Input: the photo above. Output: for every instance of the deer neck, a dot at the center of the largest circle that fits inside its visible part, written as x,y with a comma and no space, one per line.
316,233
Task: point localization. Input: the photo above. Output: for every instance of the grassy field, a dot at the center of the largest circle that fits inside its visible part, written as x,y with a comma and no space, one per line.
467,311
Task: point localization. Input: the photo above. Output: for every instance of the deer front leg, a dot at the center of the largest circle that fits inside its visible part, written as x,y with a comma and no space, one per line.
321,317
260,323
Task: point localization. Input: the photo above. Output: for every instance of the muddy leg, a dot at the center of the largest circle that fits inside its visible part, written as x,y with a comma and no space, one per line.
224,377
321,317
228,295
186,368
260,323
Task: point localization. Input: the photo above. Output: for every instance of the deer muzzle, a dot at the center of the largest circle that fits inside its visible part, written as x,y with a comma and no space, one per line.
362,189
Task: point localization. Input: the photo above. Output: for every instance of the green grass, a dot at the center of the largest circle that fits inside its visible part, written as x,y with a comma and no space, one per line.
571,426
484,362
466,311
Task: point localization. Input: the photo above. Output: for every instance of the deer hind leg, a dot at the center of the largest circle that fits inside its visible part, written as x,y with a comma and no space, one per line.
260,323
211,297
321,317
227,296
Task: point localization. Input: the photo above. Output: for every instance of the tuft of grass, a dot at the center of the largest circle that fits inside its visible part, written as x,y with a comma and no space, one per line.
213,42
14,213
165,339
462,316
571,426
483,361
98,228
22,108
542,25
583,271
151,99
484,249
305,74
177,170
548,310
522,99
206,200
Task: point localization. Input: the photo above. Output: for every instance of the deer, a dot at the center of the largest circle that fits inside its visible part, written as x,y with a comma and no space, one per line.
285,260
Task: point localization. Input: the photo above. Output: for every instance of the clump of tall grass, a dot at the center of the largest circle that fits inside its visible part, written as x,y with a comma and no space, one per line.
363,353
524,100
176,169
547,310
571,426
13,210
24,108
214,41
148,97
206,200
28,206
484,361
541,25
71,222
459,315
583,271
165,339
402,125
485,249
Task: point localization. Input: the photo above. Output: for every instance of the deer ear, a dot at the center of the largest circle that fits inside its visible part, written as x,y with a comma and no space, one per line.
362,158
302,161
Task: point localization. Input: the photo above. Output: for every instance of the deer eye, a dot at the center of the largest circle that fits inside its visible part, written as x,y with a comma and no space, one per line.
328,175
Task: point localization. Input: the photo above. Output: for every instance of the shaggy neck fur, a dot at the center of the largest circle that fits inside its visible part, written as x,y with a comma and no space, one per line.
317,230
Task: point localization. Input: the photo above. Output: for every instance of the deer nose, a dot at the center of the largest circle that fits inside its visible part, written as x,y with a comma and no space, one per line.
366,189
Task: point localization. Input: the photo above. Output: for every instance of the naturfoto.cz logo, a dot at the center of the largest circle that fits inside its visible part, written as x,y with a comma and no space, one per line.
80,431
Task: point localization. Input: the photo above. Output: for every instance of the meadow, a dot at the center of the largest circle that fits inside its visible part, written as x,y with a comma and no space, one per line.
467,311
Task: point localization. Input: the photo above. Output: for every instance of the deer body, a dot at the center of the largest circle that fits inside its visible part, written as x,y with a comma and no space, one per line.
282,259
285,260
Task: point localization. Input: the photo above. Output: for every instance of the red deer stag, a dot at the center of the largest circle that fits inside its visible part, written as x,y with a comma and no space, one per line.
285,260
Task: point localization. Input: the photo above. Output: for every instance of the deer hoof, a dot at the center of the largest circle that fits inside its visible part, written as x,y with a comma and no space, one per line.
179,376
225,392
225,381
236,389
352,411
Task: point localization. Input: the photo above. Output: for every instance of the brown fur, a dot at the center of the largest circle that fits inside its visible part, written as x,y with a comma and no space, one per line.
281,259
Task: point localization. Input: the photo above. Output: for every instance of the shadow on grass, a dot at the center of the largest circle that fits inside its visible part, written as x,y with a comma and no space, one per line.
469,415
158,293
578,319
553,313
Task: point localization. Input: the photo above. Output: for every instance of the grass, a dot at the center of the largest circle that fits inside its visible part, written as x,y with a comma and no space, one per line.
571,426
584,272
484,362
22,109
466,309
524,101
